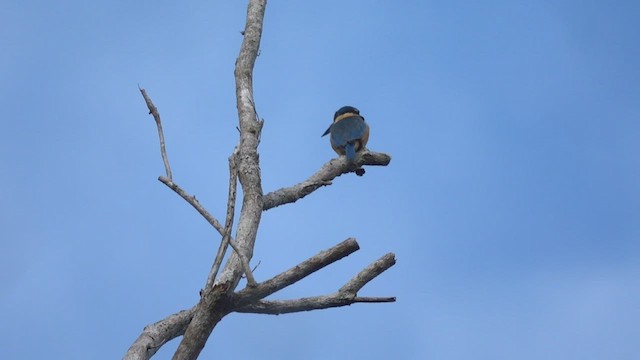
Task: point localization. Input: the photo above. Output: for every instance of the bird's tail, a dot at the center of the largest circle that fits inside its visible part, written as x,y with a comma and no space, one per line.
350,151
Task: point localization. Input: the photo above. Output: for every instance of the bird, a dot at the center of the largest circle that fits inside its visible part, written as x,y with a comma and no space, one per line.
349,132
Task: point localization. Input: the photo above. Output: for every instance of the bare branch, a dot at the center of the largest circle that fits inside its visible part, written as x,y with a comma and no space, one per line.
296,273
212,305
226,233
277,307
323,177
193,202
347,294
244,261
250,129
231,203
156,116
155,335
203,322
367,274
218,297
226,239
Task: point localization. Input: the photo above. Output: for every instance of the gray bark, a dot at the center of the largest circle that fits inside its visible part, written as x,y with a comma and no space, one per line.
219,296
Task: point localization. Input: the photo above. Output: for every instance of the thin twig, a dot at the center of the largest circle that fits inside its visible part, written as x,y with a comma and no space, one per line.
156,116
226,238
193,202
214,222
244,261
226,232
233,180
168,180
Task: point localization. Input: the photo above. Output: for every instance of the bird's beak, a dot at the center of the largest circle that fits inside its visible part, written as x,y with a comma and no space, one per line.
328,131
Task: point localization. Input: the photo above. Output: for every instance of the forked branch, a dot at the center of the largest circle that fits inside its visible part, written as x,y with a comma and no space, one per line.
224,231
228,224
296,273
347,294
156,116
246,301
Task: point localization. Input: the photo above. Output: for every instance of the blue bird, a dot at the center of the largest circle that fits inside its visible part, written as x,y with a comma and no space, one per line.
349,132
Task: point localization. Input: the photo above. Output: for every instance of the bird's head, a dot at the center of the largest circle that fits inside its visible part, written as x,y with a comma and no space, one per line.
344,112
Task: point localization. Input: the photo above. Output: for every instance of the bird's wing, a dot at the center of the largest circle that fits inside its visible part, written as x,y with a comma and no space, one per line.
348,130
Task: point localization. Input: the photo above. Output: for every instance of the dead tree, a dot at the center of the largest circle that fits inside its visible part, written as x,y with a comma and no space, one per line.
219,296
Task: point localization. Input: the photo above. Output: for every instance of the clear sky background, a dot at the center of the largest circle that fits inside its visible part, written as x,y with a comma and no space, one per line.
512,200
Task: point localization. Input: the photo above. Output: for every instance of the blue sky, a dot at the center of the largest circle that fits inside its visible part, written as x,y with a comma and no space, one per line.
511,202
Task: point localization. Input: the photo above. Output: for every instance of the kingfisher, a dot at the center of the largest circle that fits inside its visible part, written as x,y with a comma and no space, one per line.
349,132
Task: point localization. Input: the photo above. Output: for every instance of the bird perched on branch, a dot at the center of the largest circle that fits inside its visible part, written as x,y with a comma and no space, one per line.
349,132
